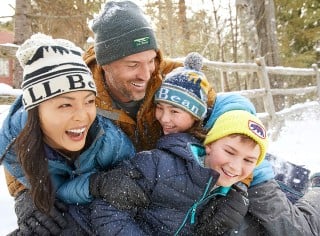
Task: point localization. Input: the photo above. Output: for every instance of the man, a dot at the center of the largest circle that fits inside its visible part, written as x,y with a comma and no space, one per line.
128,69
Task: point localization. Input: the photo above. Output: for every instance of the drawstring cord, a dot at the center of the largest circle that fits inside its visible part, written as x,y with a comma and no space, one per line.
7,149
222,191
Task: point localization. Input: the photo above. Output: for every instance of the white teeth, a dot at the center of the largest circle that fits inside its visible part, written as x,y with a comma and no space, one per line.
229,174
138,85
77,131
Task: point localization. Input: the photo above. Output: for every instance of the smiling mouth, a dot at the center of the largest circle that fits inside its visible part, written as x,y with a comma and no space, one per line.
138,85
76,132
228,173
167,128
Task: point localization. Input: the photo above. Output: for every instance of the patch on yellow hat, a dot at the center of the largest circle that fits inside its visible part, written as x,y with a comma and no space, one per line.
239,122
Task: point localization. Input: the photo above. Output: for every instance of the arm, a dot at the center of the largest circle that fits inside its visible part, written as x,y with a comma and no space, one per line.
126,187
108,220
10,129
33,222
279,216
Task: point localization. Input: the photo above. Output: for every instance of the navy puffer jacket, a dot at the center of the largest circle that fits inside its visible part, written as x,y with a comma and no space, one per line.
175,183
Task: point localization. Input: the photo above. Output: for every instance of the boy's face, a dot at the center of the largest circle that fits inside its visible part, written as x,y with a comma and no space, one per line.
173,119
233,158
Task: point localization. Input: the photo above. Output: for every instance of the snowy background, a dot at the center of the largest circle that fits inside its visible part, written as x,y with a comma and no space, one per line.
298,143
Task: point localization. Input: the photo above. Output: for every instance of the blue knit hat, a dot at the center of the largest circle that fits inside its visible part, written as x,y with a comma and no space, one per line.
121,30
186,87
229,102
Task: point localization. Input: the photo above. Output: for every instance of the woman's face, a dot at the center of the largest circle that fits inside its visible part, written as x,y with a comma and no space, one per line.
66,119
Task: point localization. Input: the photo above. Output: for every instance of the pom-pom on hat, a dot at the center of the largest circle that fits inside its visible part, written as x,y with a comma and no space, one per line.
240,122
51,67
186,87
121,30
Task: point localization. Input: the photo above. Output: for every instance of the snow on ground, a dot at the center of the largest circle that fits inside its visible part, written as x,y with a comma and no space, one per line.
297,143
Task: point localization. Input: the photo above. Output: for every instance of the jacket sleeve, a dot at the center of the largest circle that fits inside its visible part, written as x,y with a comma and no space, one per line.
14,186
279,216
108,220
11,127
74,191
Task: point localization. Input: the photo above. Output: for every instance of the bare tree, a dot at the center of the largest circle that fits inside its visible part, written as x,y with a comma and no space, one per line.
22,31
183,23
267,33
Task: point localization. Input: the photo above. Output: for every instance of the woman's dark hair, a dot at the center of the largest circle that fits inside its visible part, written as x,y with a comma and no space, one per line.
30,151
198,131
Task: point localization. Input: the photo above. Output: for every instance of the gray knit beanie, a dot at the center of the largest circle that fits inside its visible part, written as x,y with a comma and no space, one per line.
121,30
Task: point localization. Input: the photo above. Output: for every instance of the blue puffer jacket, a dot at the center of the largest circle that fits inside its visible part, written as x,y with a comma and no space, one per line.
109,146
176,184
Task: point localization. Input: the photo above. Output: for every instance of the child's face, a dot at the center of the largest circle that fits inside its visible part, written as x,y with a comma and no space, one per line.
173,119
232,158
66,119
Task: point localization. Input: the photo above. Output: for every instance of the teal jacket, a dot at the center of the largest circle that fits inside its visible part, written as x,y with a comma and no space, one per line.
109,146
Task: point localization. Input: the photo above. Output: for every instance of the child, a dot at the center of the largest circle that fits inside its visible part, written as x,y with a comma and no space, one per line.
177,178
62,142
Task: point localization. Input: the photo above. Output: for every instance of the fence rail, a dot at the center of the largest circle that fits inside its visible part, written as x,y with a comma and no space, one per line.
272,118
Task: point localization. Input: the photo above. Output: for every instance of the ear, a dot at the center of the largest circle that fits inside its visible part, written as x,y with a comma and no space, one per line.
208,148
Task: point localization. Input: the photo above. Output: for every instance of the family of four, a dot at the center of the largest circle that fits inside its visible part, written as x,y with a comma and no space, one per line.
119,141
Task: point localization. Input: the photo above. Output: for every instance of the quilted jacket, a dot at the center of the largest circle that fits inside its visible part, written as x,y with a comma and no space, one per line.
109,146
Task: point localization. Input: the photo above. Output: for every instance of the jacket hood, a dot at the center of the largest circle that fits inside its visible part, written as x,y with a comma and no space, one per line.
179,144
15,120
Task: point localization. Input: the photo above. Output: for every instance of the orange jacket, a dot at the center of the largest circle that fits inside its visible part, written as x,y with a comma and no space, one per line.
145,131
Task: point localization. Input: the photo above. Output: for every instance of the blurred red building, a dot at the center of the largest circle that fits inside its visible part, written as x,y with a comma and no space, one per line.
6,64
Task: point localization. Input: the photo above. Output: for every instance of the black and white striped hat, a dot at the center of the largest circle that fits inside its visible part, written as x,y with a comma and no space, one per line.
51,67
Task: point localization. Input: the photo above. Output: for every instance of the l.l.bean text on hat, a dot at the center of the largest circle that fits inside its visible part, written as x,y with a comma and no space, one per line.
53,86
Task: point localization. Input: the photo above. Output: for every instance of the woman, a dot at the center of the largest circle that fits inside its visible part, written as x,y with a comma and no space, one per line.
62,142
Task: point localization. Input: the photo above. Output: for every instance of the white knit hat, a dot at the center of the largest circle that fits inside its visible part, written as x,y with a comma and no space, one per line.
51,67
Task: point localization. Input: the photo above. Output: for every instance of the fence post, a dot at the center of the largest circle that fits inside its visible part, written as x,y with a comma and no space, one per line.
272,123
222,81
316,69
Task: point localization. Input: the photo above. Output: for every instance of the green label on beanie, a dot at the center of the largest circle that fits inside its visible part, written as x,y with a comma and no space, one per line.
141,41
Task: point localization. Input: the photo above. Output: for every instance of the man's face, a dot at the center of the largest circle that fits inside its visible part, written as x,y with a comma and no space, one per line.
128,77
232,158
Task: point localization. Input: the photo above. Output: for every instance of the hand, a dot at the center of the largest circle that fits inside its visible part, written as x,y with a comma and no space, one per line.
223,213
33,222
119,187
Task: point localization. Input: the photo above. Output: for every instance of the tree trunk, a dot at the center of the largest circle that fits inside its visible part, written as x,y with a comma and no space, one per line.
22,31
266,29
185,33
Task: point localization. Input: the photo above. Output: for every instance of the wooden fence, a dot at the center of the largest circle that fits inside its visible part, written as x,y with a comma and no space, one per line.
272,118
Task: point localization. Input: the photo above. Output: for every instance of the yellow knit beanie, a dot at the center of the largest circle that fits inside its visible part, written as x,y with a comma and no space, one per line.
239,122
